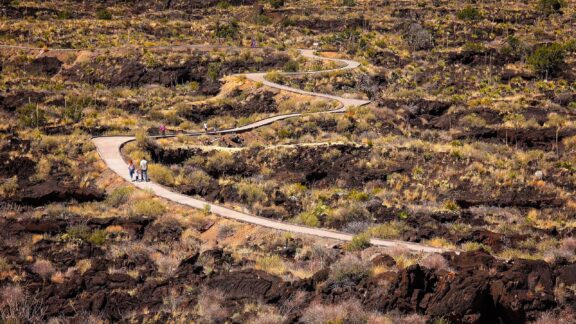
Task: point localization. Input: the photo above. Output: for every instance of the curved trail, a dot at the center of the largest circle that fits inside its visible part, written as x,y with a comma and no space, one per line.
109,149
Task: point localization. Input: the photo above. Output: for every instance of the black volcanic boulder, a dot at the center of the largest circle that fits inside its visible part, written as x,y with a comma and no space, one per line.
524,289
463,298
248,284
52,191
44,65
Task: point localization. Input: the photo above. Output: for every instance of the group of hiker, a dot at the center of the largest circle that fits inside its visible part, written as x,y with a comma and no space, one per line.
138,171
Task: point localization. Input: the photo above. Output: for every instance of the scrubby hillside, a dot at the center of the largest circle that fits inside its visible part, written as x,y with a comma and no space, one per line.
468,144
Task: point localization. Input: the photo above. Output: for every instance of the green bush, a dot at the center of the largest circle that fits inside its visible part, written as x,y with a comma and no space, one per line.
551,6
119,196
97,237
213,70
250,192
274,76
469,13
547,58
161,174
148,208
308,219
349,3
390,231
358,243
291,66
103,14
228,30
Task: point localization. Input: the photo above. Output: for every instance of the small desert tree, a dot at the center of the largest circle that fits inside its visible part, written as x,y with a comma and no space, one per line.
558,121
547,58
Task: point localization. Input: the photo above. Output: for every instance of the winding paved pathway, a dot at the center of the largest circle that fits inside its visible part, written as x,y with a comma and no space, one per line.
109,149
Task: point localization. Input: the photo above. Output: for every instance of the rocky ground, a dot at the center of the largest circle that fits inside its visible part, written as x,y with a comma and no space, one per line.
469,144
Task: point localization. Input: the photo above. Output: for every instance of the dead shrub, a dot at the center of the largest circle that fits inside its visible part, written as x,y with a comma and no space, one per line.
349,268
349,311
43,268
434,261
209,306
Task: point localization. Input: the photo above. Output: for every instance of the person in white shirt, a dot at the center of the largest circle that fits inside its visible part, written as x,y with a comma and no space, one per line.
205,127
144,168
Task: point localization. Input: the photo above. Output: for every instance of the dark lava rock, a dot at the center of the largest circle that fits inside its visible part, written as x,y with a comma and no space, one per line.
12,100
381,259
47,65
248,284
52,191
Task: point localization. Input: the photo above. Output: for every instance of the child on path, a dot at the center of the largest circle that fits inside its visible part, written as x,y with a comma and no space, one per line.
131,170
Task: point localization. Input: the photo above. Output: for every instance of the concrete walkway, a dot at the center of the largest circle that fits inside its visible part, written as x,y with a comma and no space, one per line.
109,150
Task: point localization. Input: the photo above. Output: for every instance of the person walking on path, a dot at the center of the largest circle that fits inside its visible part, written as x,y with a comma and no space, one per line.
144,170
131,170
205,127
163,130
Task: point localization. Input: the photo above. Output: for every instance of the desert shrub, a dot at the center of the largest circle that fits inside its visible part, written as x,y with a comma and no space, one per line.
220,162
440,242
272,264
349,3
8,187
450,204
103,14
419,37
148,207
43,268
547,58
30,115
391,230
98,237
350,213
359,242
434,261
291,66
474,47
225,231
142,139
550,6
161,174
4,265
198,180
75,106
308,219
167,264
511,253
250,192
226,30
213,70
274,76
565,316
357,195
210,307
469,13
514,47
348,311
16,306
473,120
349,268
475,246
119,196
